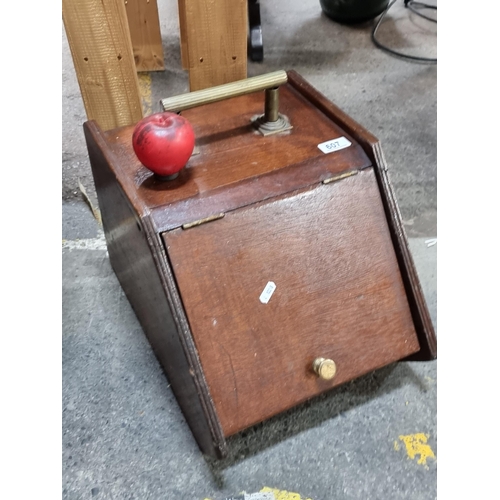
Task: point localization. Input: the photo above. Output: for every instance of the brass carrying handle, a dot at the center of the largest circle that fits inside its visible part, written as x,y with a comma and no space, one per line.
268,82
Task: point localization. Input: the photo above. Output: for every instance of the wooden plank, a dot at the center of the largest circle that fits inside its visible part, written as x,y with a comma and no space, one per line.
101,48
183,34
145,33
217,41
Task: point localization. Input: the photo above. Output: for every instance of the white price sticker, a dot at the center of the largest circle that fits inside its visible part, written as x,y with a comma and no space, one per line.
268,291
334,145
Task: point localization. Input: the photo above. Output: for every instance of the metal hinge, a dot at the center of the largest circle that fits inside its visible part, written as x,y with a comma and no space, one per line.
202,221
339,177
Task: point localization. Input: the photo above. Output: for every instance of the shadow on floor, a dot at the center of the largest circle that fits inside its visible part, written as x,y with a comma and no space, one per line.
313,413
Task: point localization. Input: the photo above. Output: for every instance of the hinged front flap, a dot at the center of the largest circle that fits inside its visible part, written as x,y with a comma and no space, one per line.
272,287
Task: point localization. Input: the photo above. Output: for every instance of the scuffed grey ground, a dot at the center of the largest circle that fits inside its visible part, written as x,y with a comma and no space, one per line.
123,434
125,437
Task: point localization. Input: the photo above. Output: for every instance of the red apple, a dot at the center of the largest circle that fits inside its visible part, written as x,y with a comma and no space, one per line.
163,142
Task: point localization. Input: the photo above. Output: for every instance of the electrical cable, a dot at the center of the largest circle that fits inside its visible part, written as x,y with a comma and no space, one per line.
413,6
410,3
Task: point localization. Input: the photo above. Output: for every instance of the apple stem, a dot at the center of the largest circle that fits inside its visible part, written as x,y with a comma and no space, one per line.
167,177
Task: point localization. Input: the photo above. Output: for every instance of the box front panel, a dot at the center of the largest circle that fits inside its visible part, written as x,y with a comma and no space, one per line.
270,288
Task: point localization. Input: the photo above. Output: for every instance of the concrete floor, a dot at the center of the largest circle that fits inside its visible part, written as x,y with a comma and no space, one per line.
124,436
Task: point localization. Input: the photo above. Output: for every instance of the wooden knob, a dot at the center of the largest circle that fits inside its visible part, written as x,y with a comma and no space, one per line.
325,368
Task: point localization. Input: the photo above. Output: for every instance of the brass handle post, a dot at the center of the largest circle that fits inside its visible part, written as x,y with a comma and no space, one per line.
271,112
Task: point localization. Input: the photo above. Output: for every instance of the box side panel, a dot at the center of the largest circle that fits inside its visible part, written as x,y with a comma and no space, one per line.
131,255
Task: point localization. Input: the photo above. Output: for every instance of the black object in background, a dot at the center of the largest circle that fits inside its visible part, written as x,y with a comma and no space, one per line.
353,11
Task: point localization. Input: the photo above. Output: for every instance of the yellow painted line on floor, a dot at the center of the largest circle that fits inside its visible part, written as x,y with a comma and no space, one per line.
416,444
283,495
145,91
280,494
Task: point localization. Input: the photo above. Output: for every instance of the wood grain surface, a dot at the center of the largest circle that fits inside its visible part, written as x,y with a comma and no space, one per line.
339,295
145,34
215,35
